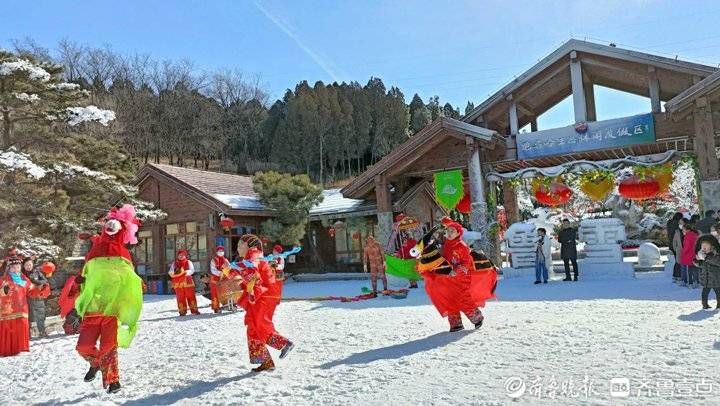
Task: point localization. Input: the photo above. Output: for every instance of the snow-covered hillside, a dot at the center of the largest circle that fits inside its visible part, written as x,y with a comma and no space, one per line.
574,337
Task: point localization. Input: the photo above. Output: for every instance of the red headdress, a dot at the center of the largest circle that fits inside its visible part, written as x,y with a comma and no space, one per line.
126,215
450,223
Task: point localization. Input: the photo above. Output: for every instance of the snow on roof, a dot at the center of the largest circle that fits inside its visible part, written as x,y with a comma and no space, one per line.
239,202
236,191
335,203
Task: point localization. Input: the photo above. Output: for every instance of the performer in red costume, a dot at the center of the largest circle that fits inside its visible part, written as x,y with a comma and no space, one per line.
463,289
181,272
264,293
218,265
14,324
111,294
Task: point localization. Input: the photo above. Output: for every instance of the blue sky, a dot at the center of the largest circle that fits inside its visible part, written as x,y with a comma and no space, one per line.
459,50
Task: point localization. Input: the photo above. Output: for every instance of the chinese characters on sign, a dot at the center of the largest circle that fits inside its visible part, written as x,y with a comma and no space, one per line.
595,135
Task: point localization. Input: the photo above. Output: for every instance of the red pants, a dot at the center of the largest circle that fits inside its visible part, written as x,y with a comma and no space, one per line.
261,330
258,349
214,298
105,358
186,299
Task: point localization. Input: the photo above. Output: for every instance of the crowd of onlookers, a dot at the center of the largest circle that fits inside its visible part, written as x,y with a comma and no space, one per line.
695,247
38,279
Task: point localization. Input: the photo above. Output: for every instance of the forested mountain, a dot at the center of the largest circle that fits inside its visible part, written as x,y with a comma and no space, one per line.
170,111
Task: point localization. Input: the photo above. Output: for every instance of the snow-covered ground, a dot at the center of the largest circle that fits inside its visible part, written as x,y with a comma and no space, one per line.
562,338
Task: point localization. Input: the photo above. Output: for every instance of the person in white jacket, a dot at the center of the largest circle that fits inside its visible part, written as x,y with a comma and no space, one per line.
543,256
217,265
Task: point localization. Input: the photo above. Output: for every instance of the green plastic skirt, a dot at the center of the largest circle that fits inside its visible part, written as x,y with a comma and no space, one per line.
112,288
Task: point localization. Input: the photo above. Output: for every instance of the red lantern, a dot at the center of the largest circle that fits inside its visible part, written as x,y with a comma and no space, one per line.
48,268
557,195
356,236
331,232
227,222
464,205
636,189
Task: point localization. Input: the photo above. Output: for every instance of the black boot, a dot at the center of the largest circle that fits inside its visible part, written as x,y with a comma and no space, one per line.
567,277
114,387
91,373
706,306
457,327
286,349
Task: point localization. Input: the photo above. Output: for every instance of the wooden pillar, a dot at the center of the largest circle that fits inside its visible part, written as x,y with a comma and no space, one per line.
511,140
578,92
589,91
654,90
707,160
383,200
512,211
478,204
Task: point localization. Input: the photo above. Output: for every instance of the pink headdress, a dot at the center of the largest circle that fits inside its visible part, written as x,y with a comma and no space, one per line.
126,215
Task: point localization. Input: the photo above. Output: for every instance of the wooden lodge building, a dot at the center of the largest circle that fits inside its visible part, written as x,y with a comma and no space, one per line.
489,147
195,200
486,144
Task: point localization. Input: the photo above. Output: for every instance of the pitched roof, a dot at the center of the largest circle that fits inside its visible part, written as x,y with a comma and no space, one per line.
595,49
704,87
211,182
236,193
439,129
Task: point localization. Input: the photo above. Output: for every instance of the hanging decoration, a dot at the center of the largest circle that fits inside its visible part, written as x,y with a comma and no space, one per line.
597,184
551,191
449,188
226,223
635,188
356,236
464,205
331,232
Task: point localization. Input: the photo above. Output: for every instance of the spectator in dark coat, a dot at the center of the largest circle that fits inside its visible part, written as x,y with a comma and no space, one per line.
677,246
36,303
708,259
673,226
568,249
703,226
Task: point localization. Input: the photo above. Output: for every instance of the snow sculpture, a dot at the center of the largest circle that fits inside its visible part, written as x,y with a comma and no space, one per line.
649,255
603,253
521,239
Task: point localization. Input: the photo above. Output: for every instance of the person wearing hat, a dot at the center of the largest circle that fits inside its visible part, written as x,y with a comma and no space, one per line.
14,322
217,267
181,276
110,301
278,262
458,255
264,292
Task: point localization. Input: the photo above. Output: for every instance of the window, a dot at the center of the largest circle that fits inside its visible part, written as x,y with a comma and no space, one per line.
190,236
143,253
349,242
